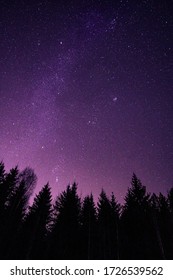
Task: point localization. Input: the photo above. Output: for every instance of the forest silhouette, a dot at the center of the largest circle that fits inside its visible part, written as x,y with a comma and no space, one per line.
79,228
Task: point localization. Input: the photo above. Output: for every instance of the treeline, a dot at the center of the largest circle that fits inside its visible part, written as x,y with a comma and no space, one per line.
75,228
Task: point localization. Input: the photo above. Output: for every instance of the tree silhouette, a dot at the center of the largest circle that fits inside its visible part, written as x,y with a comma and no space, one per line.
115,224
88,228
65,234
17,193
108,216
9,185
164,226
135,222
36,225
69,229
157,245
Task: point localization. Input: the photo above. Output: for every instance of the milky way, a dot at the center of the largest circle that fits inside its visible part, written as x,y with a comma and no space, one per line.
86,93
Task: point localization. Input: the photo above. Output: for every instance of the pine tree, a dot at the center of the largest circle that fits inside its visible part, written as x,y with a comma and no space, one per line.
9,185
65,235
115,225
36,225
137,196
88,227
136,222
164,220
16,205
18,198
107,226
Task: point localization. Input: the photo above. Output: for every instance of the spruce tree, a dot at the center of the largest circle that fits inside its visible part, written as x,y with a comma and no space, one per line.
115,227
36,225
164,220
136,222
88,227
104,226
9,185
65,235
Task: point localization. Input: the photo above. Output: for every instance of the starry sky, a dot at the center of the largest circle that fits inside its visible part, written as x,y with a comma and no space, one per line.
86,92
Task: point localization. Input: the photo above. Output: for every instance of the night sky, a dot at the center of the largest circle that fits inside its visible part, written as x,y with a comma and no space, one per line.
86,92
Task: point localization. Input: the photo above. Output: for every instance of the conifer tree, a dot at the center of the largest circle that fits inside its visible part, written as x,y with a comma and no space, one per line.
115,225
136,222
9,185
36,225
157,242
88,227
165,225
65,235
17,201
106,227
19,186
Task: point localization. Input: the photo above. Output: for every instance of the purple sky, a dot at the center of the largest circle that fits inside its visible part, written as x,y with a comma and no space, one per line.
86,92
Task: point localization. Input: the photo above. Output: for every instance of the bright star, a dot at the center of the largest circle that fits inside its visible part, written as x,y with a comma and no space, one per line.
115,99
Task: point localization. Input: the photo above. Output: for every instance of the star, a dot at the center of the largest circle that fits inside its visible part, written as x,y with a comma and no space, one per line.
115,99
79,84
